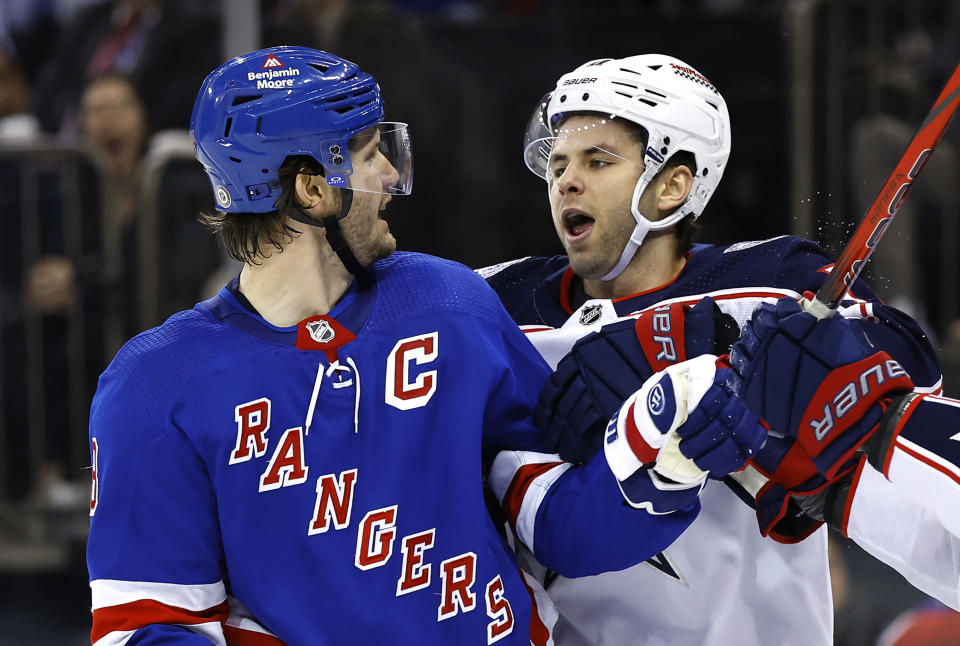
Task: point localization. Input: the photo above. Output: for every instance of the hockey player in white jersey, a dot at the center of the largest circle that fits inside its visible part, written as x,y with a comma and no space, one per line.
885,463
632,150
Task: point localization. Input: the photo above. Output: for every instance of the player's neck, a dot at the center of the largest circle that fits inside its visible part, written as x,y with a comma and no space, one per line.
655,264
303,280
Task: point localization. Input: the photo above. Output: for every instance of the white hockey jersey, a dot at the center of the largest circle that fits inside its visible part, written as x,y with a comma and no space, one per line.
910,519
721,582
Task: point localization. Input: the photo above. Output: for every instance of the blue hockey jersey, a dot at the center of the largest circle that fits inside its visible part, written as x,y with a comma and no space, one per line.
323,483
721,582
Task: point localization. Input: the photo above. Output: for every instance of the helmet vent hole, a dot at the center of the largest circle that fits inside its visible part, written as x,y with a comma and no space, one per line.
237,100
345,109
704,172
629,85
265,170
259,123
563,98
666,141
629,96
234,159
713,105
624,69
655,93
586,95
652,104
654,67
319,67
226,129
336,99
663,150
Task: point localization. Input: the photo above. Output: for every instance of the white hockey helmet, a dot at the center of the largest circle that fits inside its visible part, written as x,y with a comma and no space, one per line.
676,105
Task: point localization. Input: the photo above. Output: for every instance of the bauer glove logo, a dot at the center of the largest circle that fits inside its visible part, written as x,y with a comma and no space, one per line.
862,389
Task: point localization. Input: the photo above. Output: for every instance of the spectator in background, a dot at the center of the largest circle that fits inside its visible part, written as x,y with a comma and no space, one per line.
907,269
164,46
113,122
17,125
317,22
113,125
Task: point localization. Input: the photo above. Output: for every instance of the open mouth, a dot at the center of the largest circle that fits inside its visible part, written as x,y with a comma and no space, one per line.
577,223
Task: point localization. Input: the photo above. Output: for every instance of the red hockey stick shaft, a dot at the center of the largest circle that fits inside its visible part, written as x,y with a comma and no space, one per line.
885,206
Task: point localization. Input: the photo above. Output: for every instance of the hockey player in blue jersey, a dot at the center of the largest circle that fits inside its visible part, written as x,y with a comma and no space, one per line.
887,471
632,151
300,459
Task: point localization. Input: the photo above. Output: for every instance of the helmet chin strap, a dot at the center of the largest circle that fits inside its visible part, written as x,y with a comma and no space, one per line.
644,225
334,233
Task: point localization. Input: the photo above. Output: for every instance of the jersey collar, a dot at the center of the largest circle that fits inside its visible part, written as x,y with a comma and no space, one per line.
351,312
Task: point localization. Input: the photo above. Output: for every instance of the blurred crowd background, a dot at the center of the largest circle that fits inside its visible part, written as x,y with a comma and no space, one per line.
99,191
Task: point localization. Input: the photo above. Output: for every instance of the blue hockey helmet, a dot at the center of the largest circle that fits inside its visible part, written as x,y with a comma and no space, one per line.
256,110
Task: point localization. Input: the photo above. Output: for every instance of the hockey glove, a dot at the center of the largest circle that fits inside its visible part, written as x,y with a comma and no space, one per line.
682,426
604,368
819,382
789,516
787,512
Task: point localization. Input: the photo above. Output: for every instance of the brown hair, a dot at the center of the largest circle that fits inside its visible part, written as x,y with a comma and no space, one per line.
687,230
244,235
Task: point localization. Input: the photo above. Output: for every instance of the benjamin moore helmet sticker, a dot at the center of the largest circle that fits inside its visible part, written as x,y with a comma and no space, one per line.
274,78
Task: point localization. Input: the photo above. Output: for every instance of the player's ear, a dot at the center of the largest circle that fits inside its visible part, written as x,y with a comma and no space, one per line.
312,191
674,188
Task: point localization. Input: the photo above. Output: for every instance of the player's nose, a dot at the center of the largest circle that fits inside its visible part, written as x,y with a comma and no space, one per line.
570,181
390,176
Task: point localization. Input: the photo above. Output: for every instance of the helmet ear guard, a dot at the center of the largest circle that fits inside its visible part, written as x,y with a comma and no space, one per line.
676,105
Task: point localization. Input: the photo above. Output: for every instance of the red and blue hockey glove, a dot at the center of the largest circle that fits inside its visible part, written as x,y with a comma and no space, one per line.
820,382
823,388
607,366
787,511
682,426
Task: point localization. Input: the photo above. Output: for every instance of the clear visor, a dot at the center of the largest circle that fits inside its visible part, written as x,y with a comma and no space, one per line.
538,138
549,147
387,169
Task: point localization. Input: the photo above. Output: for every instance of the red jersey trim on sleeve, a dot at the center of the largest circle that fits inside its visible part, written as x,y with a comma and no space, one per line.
137,614
848,505
522,479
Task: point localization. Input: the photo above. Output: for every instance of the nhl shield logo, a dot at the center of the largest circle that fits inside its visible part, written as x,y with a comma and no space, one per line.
320,331
590,314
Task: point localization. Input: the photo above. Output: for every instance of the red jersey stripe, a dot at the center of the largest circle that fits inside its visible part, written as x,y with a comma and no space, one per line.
143,612
539,633
517,490
240,637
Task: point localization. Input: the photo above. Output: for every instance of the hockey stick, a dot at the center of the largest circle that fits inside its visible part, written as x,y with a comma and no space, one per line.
888,202
871,229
